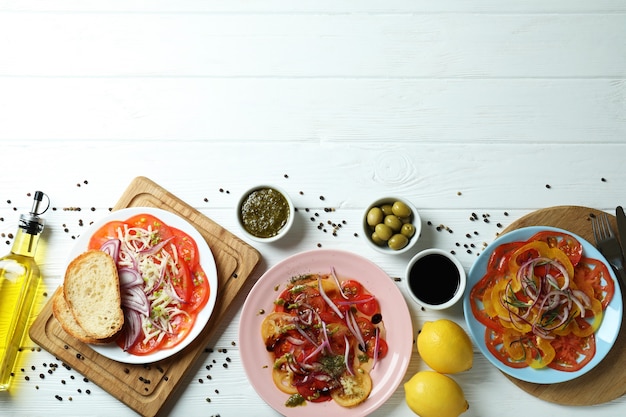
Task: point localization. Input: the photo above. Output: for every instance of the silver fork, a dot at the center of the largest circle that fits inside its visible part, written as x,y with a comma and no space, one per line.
608,244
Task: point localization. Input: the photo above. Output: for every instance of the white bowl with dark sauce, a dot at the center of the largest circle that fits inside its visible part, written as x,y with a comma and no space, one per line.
435,279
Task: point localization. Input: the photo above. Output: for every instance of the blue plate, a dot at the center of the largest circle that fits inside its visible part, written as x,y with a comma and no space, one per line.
605,335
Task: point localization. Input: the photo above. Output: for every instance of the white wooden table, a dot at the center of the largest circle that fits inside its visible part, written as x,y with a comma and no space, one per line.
487,107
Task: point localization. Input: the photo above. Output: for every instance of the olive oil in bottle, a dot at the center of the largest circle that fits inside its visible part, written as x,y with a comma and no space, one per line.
19,279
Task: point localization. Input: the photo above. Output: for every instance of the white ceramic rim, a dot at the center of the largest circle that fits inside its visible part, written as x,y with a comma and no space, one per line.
462,279
282,232
417,222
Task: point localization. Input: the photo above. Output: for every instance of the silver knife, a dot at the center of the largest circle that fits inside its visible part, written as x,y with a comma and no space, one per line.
621,228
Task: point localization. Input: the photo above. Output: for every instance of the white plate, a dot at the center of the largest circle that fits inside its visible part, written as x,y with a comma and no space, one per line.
389,371
605,335
112,350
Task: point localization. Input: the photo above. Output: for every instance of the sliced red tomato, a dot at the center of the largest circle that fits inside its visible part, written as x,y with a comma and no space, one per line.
201,291
476,296
352,289
573,352
185,246
564,241
593,275
368,330
142,348
147,221
181,325
495,344
383,348
367,304
106,232
314,390
499,259
183,283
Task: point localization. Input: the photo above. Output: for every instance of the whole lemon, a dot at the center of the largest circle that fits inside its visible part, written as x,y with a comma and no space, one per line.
431,394
445,347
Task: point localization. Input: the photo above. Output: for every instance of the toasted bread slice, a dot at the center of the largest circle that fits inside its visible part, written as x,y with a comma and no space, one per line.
92,291
64,316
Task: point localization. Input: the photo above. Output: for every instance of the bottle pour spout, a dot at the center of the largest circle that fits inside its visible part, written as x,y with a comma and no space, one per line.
31,223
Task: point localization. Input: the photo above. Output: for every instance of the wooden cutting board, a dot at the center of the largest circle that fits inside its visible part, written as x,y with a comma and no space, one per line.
148,388
607,381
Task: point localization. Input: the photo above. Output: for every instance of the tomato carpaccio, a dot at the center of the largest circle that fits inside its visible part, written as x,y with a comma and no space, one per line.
174,283
324,335
541,302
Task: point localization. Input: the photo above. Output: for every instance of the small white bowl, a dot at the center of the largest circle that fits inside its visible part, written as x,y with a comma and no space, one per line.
416,221
268,230
435,279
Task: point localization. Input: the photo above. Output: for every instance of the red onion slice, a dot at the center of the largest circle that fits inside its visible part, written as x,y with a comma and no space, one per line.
334,275
132,328
112,247
327,298
135,299
129,277
346,356
156,248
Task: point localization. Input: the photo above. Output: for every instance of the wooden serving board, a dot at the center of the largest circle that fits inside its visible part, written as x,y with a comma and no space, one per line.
147,388
607,381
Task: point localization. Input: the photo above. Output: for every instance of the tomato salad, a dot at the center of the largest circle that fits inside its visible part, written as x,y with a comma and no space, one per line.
325,336
541,302
162,284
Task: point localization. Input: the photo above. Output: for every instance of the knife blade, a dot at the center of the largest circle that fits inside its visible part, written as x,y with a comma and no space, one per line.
621,228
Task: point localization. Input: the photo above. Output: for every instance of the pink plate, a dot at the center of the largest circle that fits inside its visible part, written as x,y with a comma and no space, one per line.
388,373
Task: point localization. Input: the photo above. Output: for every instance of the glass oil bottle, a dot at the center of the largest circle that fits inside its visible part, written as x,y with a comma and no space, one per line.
19,279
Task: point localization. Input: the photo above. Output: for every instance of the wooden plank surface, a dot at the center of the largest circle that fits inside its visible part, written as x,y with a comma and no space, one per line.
484,106
147,388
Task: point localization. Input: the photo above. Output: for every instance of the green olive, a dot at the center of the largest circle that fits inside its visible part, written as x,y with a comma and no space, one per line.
408,230
401,210
398,241
394,222
387,209
377,240
374,216
383,231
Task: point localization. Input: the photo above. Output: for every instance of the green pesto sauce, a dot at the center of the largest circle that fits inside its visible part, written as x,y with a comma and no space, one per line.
333,365
264,212
295,400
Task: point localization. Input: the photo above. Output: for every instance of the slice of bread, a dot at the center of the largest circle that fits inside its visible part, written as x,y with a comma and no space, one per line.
91,288
64,316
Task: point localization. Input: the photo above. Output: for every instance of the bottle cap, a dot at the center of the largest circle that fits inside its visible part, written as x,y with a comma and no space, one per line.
31,223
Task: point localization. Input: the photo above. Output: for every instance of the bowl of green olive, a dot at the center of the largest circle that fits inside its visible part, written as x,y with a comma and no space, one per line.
392,225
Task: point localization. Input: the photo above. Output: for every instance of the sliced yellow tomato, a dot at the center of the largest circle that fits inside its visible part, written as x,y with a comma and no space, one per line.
274,325
283,379
354,389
